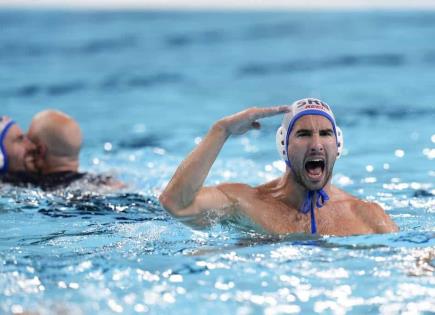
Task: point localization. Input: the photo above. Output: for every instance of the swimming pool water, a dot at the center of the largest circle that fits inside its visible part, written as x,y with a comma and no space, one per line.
145,87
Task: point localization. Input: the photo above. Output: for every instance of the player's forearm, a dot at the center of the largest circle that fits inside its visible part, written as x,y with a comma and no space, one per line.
191,174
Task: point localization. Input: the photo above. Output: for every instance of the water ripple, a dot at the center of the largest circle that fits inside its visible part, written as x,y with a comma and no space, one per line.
118,81
109,45
57,89
380,60
205,37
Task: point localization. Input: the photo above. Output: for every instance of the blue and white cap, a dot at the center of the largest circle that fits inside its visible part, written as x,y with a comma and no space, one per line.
300,108
5,124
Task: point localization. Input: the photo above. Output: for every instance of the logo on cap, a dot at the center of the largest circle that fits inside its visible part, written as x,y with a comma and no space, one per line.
312,104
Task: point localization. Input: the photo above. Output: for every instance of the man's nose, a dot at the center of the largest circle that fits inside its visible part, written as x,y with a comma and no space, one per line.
316,144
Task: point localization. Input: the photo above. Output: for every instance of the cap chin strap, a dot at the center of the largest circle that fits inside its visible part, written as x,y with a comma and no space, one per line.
308,205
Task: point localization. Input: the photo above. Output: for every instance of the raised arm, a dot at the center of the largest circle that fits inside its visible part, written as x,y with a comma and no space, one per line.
185,195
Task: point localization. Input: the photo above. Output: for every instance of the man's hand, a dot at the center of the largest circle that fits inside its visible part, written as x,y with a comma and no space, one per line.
246,120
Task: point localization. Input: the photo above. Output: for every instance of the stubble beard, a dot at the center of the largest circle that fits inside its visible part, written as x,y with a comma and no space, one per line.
305,183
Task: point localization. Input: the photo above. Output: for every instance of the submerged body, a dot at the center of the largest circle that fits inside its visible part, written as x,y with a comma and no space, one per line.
59,180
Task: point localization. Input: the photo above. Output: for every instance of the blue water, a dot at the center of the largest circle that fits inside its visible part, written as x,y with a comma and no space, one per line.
145,87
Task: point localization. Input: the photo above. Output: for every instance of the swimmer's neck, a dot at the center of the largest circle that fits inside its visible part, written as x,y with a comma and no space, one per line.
291,192
56,164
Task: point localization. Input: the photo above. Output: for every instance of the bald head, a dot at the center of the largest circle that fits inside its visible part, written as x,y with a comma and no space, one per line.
59,139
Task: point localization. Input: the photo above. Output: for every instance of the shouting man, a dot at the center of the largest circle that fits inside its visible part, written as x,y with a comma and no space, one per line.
301,200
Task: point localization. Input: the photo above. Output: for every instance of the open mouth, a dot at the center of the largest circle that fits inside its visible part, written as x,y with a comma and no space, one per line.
315,168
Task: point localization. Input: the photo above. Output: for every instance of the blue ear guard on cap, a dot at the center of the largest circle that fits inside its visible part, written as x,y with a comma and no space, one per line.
5,124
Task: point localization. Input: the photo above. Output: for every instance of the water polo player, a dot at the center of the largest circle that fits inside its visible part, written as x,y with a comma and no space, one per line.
302,200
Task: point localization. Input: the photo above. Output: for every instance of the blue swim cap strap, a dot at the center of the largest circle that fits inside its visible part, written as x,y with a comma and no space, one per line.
322,198
313,220
308,205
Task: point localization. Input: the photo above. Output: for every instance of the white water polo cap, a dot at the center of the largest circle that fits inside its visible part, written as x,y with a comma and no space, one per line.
5,124
300,108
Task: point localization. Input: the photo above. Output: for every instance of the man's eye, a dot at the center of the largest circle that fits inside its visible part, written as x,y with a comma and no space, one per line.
326,133
303,134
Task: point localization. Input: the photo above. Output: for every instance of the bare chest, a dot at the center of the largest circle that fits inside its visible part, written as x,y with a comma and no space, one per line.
276,217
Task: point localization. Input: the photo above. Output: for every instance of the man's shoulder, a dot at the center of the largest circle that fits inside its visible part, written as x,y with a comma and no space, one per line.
374,216
368,211
248,189
354,203
371,213
236,188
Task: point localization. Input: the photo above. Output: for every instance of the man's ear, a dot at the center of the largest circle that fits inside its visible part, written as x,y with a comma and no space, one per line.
41,151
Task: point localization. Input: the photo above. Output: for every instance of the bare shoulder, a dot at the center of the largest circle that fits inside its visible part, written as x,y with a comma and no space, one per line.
242,196
371,213
367,209
342,196
235,190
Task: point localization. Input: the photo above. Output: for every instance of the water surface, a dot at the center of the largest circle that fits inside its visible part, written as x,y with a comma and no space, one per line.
145,87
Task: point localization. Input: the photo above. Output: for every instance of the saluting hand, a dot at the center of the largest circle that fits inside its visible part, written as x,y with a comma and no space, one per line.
246,120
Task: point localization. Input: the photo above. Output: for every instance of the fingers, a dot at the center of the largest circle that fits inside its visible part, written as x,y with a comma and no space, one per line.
241,122
270,111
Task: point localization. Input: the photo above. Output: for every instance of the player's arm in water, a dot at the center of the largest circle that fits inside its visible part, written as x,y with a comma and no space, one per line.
185,197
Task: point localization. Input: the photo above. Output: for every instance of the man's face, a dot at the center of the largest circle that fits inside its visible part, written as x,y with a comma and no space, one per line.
20,150
312,151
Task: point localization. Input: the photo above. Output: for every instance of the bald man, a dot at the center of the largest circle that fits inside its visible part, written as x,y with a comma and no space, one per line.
58,140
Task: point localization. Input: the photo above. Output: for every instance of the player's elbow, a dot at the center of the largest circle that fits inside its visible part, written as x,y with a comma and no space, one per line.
168,202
